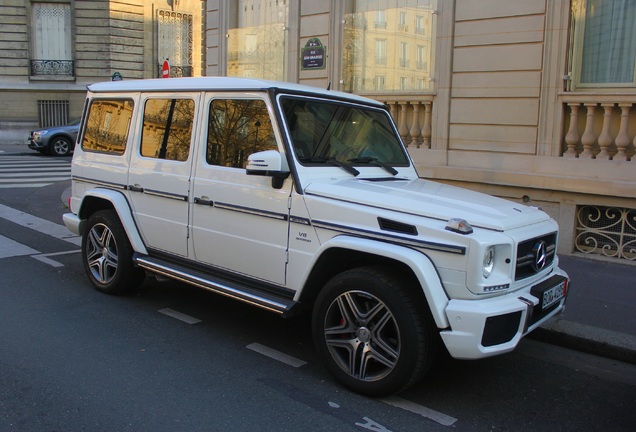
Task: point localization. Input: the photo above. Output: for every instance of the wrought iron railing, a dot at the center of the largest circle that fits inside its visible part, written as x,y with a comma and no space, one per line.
606,231
53,67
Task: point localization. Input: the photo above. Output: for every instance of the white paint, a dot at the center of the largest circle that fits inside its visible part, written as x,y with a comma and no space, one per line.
372,425
38,224
11,248
180,316
46,260
436,416
276,355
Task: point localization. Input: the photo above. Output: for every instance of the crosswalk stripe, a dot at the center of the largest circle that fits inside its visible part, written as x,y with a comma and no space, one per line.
32,172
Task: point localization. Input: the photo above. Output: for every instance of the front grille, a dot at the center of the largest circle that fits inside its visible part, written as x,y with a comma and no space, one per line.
500,329
526,256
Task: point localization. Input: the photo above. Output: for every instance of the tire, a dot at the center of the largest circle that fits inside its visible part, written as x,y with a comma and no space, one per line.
370,333
107,255
60,146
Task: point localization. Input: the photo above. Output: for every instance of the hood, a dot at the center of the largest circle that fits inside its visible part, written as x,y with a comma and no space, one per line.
430,199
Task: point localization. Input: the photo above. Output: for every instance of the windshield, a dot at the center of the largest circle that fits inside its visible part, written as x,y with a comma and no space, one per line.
341,134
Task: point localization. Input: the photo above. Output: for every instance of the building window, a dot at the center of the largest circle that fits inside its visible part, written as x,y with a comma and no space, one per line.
257,39
380,52
51,40
174,33
371,49
604,43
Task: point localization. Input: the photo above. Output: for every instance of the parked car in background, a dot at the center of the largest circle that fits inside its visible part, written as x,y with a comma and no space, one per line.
55,140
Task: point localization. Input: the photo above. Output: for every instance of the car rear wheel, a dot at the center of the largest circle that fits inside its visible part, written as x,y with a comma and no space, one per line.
60,146
372,332
107,254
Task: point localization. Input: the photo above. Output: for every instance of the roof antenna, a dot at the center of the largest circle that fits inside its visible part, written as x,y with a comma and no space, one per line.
329,86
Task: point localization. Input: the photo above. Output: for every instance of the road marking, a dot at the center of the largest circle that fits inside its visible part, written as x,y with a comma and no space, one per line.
11,248
46,260
180,316
276,355
38,224
436,416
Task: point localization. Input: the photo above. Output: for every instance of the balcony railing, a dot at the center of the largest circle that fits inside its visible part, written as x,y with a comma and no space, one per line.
599,127
412,115
52,67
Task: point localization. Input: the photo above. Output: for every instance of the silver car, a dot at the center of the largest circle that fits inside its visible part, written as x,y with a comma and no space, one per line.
55,140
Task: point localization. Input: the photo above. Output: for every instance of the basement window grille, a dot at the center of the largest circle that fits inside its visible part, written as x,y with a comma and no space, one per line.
52,113
606,231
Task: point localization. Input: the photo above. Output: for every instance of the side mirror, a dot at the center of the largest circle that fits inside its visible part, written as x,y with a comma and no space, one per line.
268,163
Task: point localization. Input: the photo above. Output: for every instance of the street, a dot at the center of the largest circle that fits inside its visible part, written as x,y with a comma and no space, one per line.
171,357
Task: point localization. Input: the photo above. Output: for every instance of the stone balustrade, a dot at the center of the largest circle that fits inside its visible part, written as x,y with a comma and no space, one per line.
412,115
599,127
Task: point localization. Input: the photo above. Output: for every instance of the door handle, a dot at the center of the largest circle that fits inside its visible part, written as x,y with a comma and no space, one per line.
204,201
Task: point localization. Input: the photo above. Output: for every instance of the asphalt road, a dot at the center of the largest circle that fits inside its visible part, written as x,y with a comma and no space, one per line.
174,358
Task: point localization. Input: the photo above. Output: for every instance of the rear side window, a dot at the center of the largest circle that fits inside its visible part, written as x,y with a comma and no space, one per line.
167,129
236,129
107,125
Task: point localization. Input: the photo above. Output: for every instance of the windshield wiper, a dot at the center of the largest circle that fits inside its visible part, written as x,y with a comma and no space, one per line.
374,161
332,161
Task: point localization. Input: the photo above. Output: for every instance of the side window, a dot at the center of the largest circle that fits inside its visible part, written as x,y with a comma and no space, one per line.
107,125
236,129
167,129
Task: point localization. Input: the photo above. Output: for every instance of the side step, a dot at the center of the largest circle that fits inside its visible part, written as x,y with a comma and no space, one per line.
273,302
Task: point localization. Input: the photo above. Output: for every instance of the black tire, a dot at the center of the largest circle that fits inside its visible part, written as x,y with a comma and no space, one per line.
107,255
371,333
60,146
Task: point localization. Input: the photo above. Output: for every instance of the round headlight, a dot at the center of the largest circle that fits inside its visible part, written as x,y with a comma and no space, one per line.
489,262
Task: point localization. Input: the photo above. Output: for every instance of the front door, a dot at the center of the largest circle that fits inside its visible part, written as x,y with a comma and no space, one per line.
239,221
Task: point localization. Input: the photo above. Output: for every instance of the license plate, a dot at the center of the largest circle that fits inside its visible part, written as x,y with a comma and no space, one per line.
552,295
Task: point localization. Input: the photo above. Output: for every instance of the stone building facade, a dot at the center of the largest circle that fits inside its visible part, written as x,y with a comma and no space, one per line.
531,100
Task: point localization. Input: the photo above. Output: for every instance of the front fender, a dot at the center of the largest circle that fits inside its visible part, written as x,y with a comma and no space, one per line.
417,261
121,206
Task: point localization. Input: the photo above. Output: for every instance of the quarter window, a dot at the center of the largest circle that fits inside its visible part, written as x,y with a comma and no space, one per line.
167,129
107,125
236,129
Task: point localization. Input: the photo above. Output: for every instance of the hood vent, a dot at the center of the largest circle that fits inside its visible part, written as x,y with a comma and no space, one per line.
397,227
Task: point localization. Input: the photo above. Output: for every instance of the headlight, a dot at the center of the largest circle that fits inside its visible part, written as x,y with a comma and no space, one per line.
489,262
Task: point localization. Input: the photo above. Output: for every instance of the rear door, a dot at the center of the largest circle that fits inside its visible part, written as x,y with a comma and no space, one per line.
159,176
239,221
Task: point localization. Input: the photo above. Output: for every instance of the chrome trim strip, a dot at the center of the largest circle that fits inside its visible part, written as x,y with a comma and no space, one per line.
460,250
300,220
166,194
213,286
99,182
252,211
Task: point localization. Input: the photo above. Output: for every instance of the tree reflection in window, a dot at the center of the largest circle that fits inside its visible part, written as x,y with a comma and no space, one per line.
167,129
236,129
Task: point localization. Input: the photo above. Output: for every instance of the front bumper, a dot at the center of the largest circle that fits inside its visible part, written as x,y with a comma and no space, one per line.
484,328
36,145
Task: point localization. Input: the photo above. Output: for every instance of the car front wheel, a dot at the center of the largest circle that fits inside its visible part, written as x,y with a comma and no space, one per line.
371,331
107,254
60,146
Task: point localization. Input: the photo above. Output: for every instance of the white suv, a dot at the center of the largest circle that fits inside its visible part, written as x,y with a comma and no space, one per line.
292,198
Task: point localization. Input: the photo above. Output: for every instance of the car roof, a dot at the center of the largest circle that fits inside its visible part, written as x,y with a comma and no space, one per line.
221,84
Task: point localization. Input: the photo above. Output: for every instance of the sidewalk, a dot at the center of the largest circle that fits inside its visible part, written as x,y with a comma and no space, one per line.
600,313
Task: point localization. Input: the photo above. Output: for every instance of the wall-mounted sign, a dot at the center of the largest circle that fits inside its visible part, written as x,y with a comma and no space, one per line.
313,55
117,77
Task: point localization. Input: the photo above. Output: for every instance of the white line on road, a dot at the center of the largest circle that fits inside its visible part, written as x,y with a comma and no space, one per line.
46,260
180,316
276,355
38,224
436,416
11,248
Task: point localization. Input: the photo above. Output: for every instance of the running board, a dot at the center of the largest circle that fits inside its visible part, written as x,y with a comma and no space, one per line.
269,301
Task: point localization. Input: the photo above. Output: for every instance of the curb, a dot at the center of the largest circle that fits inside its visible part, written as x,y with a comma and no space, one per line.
588,339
